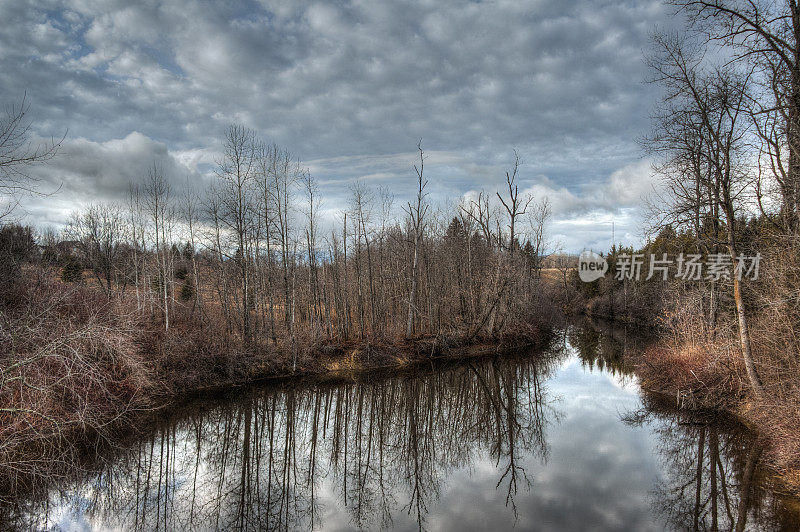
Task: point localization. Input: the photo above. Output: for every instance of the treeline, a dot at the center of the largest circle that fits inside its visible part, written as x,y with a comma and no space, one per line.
248,257
179,288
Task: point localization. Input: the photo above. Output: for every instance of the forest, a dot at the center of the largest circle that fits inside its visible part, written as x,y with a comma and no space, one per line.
725,139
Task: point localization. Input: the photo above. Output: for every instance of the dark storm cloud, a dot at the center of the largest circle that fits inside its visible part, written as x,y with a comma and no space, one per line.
349,86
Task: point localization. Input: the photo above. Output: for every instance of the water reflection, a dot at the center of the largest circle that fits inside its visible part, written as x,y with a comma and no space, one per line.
377,447
561,440
709,462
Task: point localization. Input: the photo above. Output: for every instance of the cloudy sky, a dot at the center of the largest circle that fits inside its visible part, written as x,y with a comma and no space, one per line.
349,88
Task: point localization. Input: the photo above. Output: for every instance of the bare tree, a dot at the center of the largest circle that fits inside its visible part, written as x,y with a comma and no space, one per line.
191,216
417,213
100,231
237,171
312,194
265,167
284,173
515,206
137,224
713,101
18,153
537,237
765,32
158,202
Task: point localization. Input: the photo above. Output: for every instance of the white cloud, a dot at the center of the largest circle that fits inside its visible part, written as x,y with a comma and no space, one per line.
631,184
86,171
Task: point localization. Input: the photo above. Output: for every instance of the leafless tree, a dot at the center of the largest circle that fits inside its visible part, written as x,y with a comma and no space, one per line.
417,213
158,202
765,32
18,153
312,195
707,111
514,205
137,228
191,216
237,173
101,232
537,235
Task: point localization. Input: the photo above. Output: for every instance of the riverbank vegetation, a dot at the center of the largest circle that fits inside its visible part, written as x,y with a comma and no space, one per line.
390,444
186,286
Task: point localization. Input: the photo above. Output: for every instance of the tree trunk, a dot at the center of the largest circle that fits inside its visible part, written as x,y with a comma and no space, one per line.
413,294
747,480
744,332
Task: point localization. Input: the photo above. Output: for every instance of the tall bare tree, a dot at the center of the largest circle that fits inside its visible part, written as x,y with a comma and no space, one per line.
312,195
766,32
191,217
514,205
158,203
417,212
237,173
708,106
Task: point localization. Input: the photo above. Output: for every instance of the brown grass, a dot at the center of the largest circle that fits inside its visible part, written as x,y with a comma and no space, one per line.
710,375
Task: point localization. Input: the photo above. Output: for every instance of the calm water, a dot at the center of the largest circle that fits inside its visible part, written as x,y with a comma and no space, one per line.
564,441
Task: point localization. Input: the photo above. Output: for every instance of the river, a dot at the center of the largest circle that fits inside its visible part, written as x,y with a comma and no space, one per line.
560,439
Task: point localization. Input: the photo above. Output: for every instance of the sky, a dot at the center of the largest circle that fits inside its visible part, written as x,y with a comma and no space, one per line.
349,88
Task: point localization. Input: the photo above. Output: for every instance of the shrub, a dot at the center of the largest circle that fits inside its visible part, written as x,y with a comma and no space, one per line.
181,272
16,246
72,272
69,364
50,256
187,290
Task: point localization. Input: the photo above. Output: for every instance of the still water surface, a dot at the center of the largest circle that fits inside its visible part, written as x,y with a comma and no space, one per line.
563,440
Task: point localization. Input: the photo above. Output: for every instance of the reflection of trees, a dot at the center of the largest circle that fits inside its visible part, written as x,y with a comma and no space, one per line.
604,347
264,460
273,459
710,479
710,464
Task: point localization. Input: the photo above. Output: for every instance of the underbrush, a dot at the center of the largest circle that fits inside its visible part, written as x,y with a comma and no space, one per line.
69,369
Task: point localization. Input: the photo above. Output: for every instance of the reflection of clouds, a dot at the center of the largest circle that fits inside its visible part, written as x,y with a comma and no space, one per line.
577,380
598,474
626,383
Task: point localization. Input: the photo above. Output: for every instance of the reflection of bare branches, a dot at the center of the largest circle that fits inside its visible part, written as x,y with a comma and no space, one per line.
273,459
268,459
709,462
710,466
